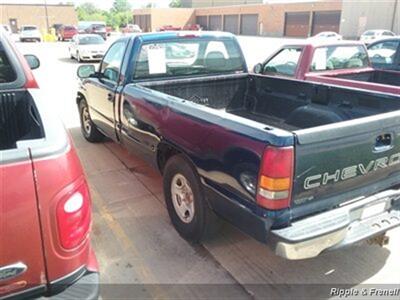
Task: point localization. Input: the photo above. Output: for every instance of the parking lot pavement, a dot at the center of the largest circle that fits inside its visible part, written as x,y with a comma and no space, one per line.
135,241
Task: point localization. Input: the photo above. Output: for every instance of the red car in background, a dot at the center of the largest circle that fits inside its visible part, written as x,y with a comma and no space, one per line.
169,28
192,27
67,33
45,202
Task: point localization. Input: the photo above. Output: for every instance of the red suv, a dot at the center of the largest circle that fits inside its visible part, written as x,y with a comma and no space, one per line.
67,32
45,215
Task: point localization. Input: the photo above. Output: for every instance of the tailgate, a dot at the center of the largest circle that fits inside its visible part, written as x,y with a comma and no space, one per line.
345,161
21,254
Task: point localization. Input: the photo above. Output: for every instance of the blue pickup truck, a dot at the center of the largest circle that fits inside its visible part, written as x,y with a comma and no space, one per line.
303,167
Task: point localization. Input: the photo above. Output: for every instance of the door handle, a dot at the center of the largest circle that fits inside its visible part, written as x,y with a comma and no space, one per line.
110,97
383,142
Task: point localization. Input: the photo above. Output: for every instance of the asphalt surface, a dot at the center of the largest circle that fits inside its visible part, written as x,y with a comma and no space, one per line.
136,244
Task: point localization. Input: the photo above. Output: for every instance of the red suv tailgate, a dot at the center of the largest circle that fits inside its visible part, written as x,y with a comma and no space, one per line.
21,252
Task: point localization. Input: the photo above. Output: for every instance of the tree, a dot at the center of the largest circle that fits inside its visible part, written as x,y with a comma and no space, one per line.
87,11
120,6
121,19
118,16
175,3
88,8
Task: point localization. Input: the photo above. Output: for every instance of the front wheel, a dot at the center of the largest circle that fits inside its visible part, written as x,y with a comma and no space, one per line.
187,206
89,130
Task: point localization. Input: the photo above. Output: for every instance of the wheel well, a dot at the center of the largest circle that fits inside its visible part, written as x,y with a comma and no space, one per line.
164,153
79,97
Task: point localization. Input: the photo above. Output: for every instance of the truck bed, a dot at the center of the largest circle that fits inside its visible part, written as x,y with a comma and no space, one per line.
375,76
288,105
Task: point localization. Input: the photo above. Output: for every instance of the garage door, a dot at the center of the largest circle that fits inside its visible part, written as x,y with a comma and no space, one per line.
202,21
231,23
297,24
325,21
249,24
215,22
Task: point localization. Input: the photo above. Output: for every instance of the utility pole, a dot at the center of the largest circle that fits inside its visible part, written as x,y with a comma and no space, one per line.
47,16
395,14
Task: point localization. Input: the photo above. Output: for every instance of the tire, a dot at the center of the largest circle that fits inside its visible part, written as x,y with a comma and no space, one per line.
89,130
202,222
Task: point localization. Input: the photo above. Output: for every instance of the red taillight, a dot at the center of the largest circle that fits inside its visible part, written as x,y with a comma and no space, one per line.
74,217
275,178
30,80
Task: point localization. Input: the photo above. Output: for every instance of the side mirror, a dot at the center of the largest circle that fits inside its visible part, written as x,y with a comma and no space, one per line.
33,61
86,71
258,68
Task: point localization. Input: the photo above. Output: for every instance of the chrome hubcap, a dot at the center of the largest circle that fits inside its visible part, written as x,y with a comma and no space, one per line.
87,126
182,198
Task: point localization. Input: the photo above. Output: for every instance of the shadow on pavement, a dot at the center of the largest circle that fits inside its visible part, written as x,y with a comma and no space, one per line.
68,60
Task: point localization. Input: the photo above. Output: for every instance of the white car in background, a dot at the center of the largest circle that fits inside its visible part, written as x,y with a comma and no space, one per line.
30,33
327,36
373,35
86,47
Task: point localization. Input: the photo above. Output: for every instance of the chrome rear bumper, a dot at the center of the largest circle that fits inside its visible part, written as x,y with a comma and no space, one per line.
339,227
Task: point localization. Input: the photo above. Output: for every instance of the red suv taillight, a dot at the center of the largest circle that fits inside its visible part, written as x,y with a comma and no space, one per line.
74,217
275,178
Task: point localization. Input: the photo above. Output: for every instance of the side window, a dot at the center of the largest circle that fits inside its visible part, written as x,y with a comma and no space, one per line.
7,73
111,64
283,63
383,52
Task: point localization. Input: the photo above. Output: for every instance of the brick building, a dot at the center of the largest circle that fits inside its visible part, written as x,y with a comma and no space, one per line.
291,18
17,15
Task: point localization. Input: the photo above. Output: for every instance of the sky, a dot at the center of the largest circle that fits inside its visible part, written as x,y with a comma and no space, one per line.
103,4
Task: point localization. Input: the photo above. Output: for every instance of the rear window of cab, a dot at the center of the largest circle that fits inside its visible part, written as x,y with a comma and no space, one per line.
339,58
190,57
28,28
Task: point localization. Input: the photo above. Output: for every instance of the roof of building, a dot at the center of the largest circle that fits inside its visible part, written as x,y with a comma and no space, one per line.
23,3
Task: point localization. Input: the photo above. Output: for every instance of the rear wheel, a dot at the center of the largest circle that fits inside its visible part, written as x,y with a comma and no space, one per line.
187,206
89,130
